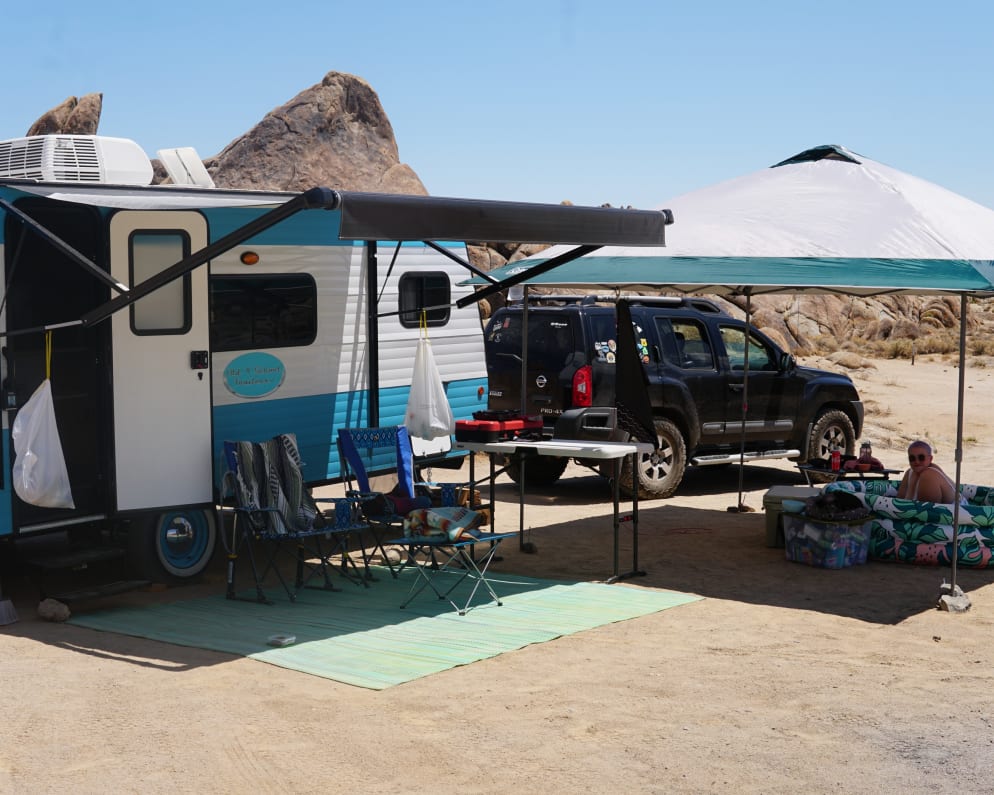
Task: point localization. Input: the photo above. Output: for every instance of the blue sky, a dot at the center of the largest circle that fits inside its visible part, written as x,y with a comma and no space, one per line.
618,102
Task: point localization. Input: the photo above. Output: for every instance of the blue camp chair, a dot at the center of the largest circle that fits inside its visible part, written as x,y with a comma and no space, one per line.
263,488
371,452
442,561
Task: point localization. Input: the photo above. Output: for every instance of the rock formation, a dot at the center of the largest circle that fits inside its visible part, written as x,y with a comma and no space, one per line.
75,116
334,134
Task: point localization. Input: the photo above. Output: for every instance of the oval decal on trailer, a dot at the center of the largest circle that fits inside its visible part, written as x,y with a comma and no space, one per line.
254,375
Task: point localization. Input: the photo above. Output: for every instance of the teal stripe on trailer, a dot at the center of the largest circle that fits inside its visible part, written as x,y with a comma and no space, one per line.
315,420
467,396
303,229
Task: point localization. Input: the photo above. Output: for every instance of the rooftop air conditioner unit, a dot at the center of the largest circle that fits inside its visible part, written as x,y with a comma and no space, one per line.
75,158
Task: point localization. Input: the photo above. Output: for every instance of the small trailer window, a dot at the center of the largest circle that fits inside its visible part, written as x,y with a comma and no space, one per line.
263,311
429,291
167,309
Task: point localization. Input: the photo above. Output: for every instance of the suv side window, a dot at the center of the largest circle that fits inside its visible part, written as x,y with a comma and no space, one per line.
760,356
604,342
685,343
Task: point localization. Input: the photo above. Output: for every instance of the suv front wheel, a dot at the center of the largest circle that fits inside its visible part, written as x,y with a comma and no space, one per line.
659,472
832,430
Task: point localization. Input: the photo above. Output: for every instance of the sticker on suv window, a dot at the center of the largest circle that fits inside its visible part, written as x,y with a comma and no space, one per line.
605,350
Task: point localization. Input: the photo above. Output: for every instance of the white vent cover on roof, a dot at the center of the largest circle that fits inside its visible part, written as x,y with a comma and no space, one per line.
75,158
185,167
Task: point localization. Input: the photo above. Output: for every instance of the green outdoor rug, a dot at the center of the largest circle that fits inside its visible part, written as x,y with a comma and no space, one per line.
361,637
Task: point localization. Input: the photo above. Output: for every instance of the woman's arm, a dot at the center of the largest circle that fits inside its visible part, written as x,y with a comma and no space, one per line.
902,490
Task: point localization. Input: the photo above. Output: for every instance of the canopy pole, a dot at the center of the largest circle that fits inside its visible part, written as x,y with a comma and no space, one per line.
959,439
372,337
524,350
741,507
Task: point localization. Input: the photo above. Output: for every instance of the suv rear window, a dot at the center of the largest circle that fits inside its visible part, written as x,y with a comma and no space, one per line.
548,336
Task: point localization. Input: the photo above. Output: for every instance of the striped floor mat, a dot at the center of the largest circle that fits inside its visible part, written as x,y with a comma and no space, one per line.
361,637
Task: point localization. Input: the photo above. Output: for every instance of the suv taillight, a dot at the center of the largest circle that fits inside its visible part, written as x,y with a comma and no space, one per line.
582,387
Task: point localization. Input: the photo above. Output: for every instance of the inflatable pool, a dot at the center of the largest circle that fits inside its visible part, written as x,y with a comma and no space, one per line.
911,531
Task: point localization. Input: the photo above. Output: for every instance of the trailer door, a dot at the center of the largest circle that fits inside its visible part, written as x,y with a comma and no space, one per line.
162,397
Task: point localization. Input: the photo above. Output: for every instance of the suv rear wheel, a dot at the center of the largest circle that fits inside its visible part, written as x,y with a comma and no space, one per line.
659,472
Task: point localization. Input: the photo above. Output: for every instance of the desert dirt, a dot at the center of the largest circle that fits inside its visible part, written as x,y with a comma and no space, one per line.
783,679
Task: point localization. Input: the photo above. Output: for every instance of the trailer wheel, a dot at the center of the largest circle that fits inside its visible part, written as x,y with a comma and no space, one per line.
172,545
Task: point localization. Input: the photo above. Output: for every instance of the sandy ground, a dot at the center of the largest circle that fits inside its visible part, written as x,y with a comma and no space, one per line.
783,679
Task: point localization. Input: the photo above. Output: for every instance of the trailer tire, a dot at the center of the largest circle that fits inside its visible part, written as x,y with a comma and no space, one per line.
174,545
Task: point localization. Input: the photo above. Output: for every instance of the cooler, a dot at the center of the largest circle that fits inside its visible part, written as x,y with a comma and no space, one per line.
773,505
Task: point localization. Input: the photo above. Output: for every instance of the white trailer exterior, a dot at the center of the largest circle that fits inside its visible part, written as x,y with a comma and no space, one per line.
181,317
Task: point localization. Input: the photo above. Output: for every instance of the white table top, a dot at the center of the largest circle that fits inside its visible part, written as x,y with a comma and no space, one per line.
574,448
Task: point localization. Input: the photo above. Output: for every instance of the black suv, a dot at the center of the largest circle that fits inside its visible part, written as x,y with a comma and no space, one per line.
694,357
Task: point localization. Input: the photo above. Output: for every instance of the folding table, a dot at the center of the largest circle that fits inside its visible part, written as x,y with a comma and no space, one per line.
570,448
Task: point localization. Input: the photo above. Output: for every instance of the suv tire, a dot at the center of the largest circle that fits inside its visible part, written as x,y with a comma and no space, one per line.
832,429
542,470
659,472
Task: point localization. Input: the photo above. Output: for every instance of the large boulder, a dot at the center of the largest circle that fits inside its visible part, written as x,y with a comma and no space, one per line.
74,116
334,134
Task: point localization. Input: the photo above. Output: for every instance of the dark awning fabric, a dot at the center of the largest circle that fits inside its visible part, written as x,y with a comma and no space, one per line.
373,216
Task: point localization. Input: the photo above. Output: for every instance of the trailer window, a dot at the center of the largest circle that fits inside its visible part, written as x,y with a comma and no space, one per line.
166,310
424,291
263,311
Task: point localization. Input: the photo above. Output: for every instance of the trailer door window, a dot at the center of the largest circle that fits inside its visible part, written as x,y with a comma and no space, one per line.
167,309
264,311
430,292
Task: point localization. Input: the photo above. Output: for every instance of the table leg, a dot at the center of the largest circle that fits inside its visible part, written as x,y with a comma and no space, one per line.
616,493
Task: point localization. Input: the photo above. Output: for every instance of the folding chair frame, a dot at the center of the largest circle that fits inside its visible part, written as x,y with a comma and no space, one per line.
319,541
460,554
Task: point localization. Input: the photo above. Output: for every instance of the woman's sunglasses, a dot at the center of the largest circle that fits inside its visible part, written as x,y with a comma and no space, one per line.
921,457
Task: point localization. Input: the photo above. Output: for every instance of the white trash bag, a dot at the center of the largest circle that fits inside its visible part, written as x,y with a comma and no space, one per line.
40,476
429,414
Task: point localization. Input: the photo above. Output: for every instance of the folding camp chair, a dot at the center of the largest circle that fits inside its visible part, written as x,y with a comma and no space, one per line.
270,504
448,535
369,452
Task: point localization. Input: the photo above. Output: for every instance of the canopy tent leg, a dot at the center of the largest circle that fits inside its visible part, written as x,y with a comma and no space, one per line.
740,506
952,597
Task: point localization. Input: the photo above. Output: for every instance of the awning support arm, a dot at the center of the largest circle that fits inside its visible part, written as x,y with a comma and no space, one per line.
525,275
460,261
91,267
315,198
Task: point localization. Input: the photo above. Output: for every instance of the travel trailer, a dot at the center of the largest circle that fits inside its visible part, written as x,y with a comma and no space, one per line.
170,318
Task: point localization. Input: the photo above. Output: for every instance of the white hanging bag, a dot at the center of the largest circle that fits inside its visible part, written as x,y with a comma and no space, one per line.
40,475
429,414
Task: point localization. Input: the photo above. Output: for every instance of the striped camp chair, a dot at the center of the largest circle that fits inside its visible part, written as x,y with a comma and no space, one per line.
263,488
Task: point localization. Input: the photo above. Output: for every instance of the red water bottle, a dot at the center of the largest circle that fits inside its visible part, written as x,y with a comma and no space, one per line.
836,460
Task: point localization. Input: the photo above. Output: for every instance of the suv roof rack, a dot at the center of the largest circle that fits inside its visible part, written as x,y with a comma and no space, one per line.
700,304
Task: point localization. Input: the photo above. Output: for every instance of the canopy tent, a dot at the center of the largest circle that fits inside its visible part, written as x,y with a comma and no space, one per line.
824,220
